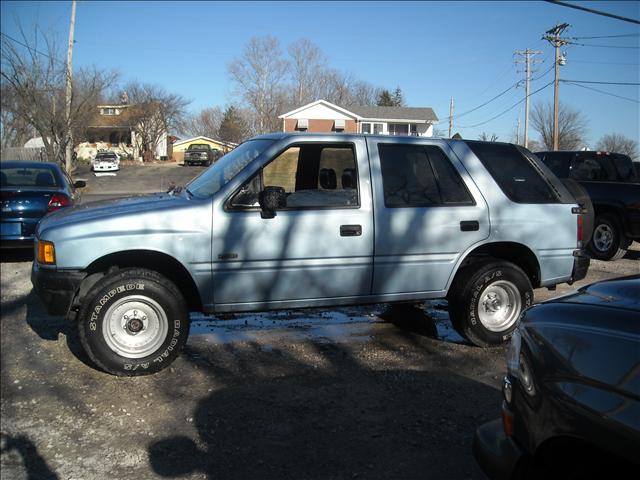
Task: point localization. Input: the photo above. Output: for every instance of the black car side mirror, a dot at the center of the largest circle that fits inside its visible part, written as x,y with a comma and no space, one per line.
270,200
79,184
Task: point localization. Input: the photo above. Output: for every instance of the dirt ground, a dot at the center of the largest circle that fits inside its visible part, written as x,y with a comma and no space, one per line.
296,395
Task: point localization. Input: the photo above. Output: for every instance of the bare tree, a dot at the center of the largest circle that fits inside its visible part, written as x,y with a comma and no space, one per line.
14,130
485,137
206,123
33,76
307,66
259,75
572,126
154,112
617,143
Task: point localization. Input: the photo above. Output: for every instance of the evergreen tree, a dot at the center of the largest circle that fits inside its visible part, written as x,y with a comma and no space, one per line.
398,99
233,127
384,99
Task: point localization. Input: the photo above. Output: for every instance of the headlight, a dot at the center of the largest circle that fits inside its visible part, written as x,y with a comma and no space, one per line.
526,377
513,353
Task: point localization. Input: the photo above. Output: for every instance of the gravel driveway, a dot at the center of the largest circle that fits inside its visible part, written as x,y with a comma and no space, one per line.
293,395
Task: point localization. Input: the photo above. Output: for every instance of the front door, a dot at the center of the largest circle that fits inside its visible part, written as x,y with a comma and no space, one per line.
317,249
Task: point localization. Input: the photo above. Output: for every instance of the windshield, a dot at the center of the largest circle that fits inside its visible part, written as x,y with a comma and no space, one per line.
106,156
198,147
214,178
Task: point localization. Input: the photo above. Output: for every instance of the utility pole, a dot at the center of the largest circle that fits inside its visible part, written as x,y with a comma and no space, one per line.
553,37
518,132
68,134
450,117
528,61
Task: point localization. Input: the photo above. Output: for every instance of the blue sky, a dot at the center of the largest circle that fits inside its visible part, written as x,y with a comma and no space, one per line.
432,50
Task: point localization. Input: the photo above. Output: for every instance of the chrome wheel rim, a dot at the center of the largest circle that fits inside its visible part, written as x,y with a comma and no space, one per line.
499,306
135,326
603,237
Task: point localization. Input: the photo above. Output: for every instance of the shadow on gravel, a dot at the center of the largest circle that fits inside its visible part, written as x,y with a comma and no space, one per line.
410,318
36,467
632,255
13,255
49,327
280,415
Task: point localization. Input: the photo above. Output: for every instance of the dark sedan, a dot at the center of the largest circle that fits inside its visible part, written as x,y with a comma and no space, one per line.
571,405
30,190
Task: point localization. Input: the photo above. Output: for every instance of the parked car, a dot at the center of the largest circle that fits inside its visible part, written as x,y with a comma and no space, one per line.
29,191
201,154
571,404
613,186
288,220
106,162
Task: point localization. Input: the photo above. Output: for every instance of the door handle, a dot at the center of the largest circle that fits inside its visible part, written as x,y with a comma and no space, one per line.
469,226
350,230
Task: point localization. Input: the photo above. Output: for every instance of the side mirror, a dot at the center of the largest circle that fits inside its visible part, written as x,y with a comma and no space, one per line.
270,200
79,184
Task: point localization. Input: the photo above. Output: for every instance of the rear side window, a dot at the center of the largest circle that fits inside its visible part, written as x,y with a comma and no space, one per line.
420,176
557,162
30,176
515,174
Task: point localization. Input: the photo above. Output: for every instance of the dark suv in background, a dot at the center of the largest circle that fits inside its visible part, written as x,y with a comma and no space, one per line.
611,181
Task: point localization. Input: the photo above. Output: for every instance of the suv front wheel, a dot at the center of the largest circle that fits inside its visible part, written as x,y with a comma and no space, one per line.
133,322
486,300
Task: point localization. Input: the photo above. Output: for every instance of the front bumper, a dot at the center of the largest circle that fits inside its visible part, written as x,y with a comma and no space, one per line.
497,454
56,288
105,167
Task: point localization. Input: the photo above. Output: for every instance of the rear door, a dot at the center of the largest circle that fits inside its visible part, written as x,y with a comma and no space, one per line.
317,248
428,212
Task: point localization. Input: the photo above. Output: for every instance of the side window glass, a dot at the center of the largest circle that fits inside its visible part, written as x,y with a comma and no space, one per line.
247,196
407,177
515,173
452,188
586,169
311,176
607,170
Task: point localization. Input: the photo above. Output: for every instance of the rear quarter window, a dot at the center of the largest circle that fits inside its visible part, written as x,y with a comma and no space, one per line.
515,174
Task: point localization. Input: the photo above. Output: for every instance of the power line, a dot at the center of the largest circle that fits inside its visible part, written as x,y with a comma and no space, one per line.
607,36
606,93
31,48
602,46
597,12
601,83
507,110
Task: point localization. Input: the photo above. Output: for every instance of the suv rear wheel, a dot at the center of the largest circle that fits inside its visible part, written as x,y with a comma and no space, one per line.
486,300
133,322
608,241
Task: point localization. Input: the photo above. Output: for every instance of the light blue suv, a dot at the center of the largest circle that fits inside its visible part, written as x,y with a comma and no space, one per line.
313,220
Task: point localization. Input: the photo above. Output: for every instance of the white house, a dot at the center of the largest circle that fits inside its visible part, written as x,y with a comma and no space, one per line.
323,116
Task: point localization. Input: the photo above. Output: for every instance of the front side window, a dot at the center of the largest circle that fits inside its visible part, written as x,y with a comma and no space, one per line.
420,176
311,175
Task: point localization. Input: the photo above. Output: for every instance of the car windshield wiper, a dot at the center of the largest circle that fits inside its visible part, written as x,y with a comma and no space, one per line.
189,192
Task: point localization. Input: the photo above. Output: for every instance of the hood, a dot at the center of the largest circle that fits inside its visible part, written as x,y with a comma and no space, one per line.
617,293
105,209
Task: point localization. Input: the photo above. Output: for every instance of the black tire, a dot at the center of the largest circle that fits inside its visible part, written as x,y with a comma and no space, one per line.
608,241
476,285
128,303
